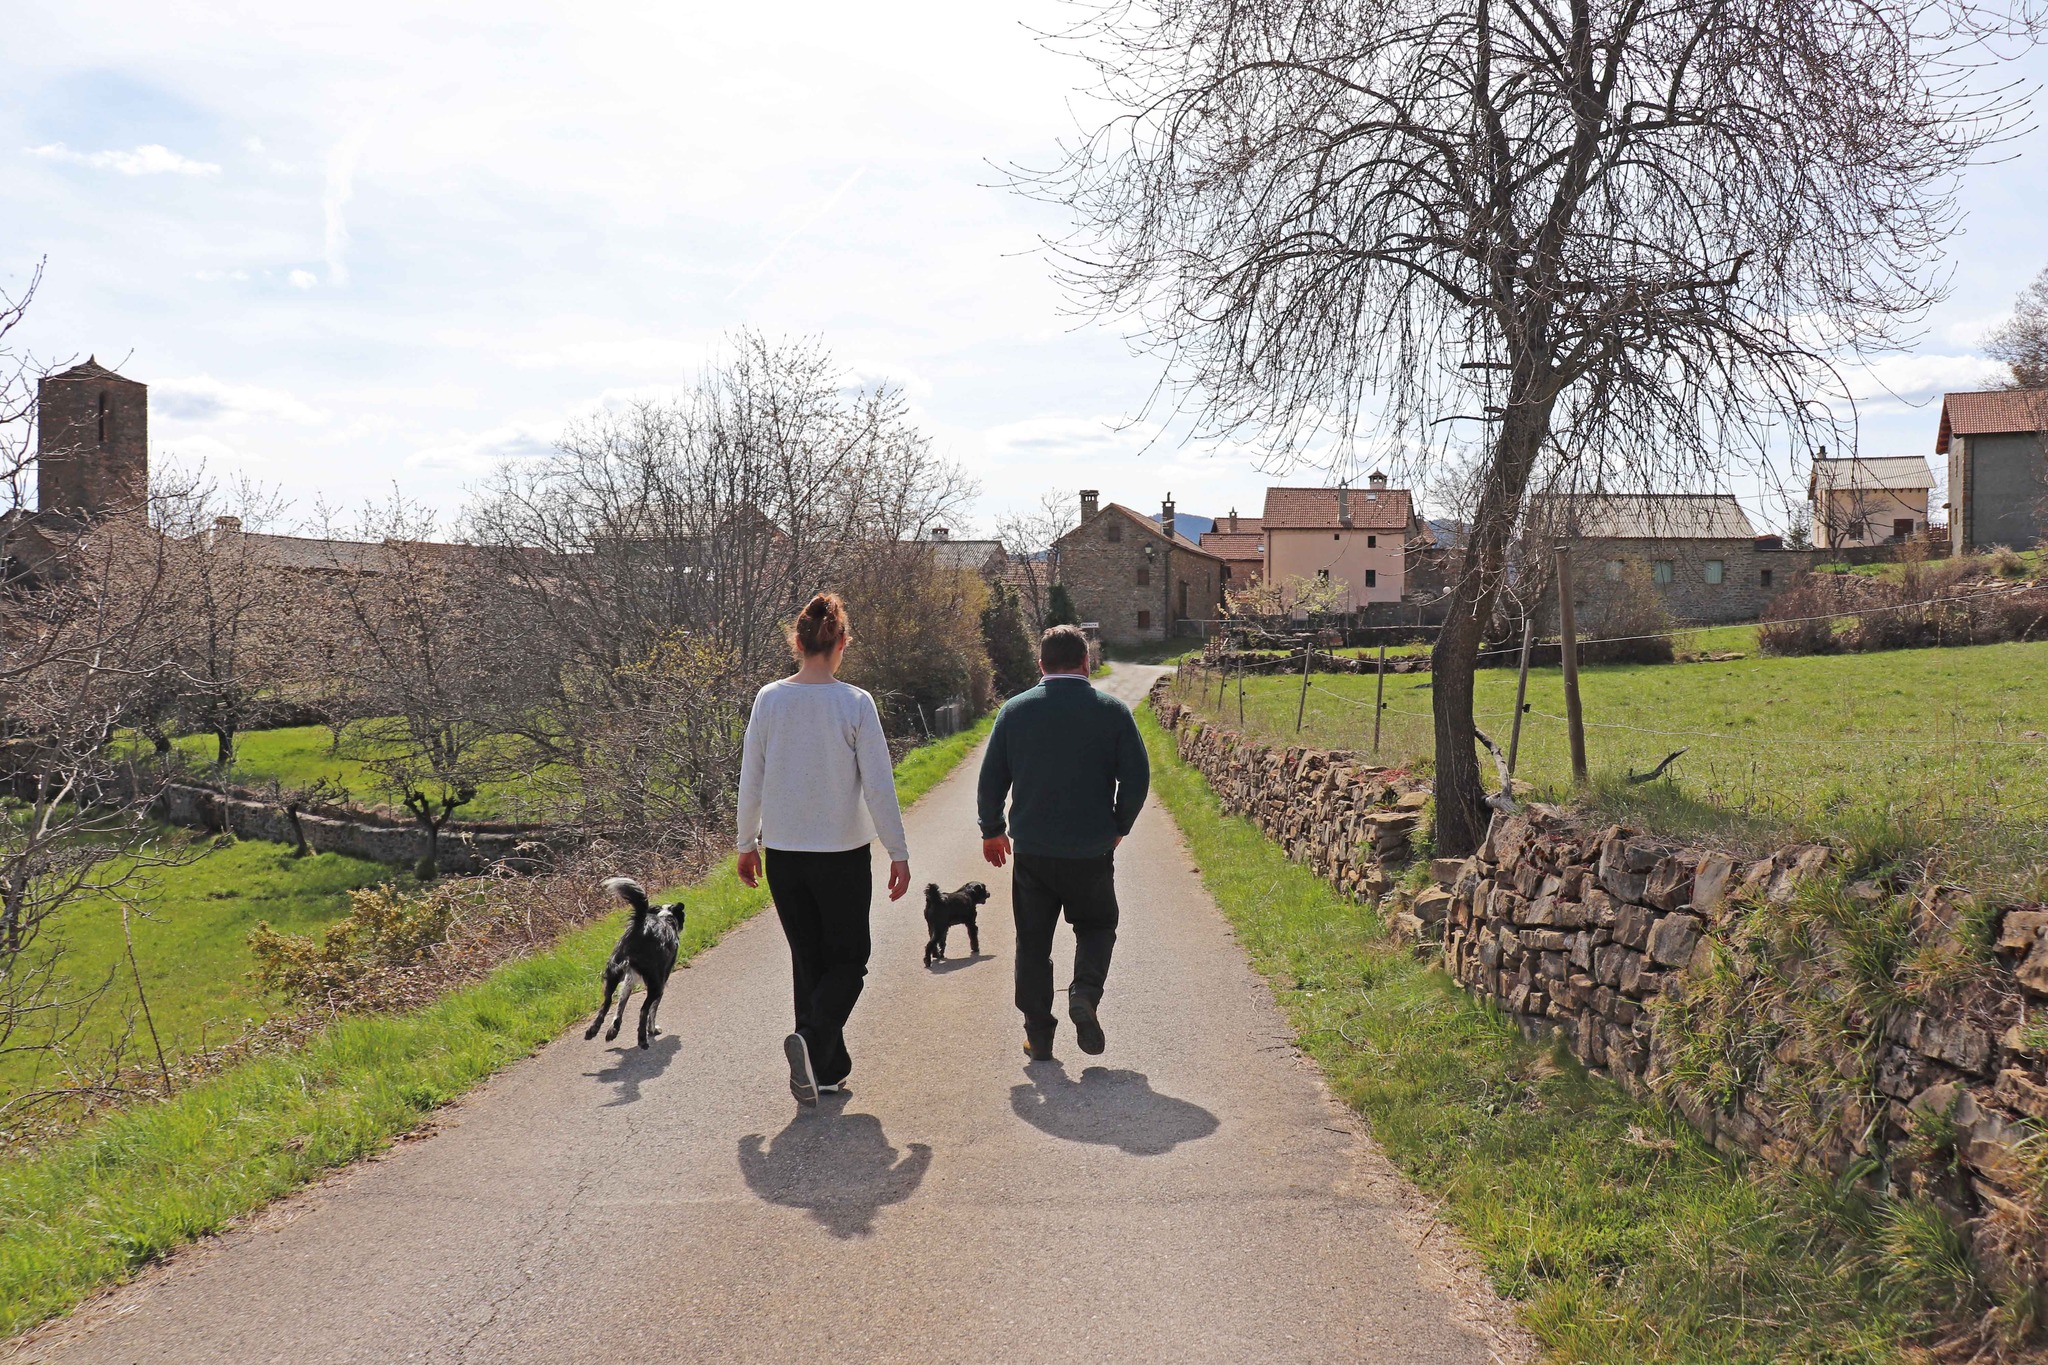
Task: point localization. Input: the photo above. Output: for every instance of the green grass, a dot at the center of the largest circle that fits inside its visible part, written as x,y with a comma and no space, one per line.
97,1207
300,755
191,944
1621,1236
1933,739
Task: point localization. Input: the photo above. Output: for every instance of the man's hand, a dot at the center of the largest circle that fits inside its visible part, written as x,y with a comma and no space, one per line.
750,867
899,879
996,850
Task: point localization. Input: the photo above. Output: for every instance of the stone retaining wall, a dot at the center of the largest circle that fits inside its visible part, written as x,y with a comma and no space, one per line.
1615,941
463,848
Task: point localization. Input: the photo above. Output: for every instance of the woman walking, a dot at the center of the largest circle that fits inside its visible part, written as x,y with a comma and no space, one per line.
816,788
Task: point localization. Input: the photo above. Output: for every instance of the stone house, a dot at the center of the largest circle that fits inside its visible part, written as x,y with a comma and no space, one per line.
1357,537
1708,563
1877,501
92,463
1997,449
1138,578
1241,543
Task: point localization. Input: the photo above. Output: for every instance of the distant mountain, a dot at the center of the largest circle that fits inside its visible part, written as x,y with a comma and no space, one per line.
1190,525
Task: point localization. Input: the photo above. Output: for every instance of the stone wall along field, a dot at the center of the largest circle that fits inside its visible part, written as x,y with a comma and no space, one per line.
1743,991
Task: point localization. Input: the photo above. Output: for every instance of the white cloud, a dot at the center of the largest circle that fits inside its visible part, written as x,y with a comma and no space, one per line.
203,399
303,279
340,188
1916,379
477,453
149,159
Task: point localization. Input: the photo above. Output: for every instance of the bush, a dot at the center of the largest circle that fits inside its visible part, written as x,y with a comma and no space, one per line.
384,931
1624,618
1011,653
1790,625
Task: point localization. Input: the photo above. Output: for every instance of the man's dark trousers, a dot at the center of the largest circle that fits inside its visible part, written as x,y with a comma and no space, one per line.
1041,888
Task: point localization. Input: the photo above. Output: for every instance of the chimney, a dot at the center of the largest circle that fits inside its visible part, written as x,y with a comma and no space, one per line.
941,533
1344,504
1233,518
1090,503
1378,482
226,526
1166,516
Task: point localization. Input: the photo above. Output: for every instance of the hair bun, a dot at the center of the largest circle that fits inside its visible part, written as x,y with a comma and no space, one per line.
820,626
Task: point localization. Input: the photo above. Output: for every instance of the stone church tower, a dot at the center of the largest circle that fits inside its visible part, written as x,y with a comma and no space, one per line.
92,443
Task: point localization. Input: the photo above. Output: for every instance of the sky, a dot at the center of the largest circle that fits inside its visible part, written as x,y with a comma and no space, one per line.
352,247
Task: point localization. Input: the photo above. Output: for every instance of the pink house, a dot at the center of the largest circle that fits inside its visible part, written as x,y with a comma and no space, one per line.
1353,536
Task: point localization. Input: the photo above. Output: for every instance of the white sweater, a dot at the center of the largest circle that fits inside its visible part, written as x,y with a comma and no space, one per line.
815,775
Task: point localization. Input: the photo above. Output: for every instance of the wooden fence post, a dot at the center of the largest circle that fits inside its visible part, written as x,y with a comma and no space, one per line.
1521,692
1379,699
1308,654
1568,627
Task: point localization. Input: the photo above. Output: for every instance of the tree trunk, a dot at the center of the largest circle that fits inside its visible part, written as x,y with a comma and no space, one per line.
1461,810
224,744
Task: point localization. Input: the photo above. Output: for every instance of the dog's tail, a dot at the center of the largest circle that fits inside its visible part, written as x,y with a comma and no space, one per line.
631,892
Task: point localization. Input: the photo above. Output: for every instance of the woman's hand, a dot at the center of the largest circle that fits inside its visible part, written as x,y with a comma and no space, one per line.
750,867
899,879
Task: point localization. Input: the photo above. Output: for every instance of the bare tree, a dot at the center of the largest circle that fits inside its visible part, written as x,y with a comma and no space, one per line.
1603,244
2021,341
438,691
1284,599
231,604
1030,540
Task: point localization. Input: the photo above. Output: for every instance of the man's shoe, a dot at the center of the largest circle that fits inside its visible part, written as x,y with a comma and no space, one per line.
1087,1028
1036,1049
803,1082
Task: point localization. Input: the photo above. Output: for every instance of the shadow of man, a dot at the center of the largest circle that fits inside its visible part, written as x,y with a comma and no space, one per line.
631,1066
1115,1108
839,1169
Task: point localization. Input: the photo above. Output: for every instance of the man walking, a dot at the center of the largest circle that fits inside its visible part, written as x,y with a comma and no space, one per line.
1073,766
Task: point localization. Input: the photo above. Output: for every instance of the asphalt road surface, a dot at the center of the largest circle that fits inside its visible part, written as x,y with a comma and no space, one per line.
1192,1195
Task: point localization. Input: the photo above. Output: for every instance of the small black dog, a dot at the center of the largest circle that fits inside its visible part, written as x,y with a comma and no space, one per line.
646,954
944,909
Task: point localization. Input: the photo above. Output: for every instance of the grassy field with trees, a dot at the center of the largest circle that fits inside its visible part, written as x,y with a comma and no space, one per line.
1927,745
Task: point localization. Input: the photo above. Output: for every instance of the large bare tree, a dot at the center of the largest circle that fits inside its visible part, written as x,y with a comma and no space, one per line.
1029,539
2021,341
1595,242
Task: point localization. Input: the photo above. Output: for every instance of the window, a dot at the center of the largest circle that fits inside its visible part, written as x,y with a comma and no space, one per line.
1336,535
1322,575
1183,599
1660,570
1716,570
103,417
1116,530
1764,578
1902,529
1144,575
1372,578
1372,542
1144,620
1613,570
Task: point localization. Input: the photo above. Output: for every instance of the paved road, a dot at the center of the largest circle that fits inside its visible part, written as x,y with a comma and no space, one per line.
1192,1195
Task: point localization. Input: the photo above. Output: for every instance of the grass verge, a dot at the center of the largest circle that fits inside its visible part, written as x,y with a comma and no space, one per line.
1621,1236
95,1208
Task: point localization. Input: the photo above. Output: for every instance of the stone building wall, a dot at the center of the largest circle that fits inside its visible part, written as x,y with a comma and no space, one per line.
92,442
1998,490
1608,938
1135,600
1741,595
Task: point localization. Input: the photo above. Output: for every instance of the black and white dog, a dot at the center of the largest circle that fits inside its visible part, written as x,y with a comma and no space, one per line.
943,910
646,953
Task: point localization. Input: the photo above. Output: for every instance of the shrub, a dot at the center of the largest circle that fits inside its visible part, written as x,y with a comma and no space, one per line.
385,930
1790,624
1625,619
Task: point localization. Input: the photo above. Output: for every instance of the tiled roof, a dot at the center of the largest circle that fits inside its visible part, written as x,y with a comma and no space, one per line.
1991,413
90,368
1235,544
1902,473
1642,516
1243,524
1180,542
1315,509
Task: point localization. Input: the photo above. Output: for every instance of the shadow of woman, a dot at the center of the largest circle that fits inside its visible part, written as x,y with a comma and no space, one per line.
1115,1108
839,1169
633,1065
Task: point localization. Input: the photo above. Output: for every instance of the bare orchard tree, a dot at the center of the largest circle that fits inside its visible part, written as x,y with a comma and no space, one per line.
78,657
440,692
18,375
711,517
2021,341
231,605
1623,239
1029,538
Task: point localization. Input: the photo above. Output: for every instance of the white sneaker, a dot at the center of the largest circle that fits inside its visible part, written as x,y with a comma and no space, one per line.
803,1082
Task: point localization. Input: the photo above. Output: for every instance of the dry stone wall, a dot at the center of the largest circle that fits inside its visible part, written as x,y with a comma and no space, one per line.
464,848
1651,961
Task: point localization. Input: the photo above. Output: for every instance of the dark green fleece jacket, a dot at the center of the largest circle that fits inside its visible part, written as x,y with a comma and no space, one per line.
1073,765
